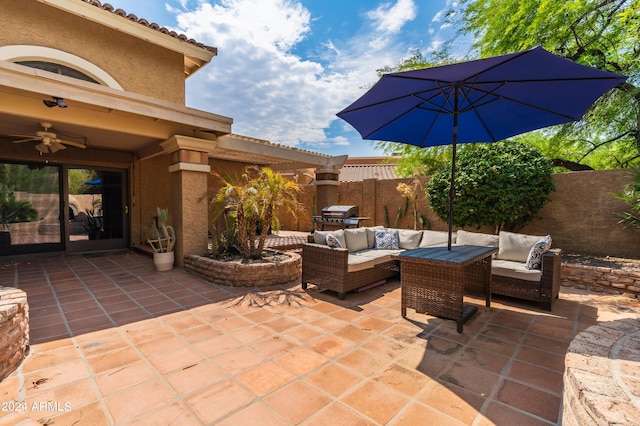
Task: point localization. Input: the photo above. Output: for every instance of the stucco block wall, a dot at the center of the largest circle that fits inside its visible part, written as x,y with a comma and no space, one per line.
581,217
152,189
138,66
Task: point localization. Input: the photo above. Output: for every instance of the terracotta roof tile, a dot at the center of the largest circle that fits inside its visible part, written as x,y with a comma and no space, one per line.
359,172
152,25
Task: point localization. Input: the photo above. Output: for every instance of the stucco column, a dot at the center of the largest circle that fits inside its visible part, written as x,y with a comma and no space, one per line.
327,186
189,167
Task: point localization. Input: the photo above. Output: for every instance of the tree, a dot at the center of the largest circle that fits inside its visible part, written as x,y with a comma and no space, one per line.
501,185
603,34
631,195
252,201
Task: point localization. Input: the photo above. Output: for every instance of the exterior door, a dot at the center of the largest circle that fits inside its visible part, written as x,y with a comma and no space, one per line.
97,210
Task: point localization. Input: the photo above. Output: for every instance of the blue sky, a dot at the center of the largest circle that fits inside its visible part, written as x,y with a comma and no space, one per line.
286,67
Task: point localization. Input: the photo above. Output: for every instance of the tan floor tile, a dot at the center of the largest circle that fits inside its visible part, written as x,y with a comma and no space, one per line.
92,414
175,359
304,334
385,346
281,324
51,344
347,315
297,401
470,378
334,379
374,324
217,345
453,401
259,315
325,307
117,358
531,400
183,323
161,345
236,361
339,415
251,334
274,345
479,358
232,323
144,331
265,378
172,414
498,414
51,377
546,344
363,362
10,388
536,376
218,401
62,399
301,360
38,360
374,400
195,377
250,416
417,414
403,380
331,347
137,400
129,375
199,334
354,333
101,341
328,323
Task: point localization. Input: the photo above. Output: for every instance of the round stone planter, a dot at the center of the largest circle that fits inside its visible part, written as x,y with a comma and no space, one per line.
246,275
14,329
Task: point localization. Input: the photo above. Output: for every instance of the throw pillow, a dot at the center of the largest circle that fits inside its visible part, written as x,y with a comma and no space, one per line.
387,239
534,260
333,242
409,238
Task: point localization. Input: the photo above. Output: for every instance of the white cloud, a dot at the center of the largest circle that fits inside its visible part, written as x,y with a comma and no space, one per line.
268,91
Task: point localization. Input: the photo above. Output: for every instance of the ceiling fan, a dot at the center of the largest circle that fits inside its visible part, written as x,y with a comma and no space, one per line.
49,142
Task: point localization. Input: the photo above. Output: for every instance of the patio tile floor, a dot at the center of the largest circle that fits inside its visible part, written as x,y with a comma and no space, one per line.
114,342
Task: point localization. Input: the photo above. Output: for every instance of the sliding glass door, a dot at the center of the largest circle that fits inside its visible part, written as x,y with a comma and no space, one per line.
97,209
57,208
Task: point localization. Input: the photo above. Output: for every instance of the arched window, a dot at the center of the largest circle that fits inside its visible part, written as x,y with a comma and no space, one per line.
57,69
59,62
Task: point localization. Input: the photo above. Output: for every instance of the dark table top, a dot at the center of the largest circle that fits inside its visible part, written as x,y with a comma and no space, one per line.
461,255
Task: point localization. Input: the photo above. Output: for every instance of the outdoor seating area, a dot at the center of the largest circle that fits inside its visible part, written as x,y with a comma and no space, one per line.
523,266
115,342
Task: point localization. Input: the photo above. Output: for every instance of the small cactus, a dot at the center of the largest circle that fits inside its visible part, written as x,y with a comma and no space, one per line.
164,235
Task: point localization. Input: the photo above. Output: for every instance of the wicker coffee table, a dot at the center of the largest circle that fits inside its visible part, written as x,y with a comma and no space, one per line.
434,280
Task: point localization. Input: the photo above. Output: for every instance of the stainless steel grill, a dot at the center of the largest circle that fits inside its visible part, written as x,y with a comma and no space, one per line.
335,217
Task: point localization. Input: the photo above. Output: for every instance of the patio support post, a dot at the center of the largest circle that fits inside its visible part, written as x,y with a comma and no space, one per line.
189,168
327,186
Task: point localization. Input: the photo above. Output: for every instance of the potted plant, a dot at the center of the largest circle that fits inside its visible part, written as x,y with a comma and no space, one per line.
12,210
164,238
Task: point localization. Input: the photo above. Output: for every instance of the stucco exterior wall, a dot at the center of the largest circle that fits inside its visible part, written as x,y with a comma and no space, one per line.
152,189
581,217
138,66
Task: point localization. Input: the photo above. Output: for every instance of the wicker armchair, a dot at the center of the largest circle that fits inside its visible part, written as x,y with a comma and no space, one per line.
545,292
327,268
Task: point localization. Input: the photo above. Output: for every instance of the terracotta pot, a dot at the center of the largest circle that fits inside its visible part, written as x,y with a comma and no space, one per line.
163,261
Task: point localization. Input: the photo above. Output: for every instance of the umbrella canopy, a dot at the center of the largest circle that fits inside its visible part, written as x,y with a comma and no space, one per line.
486,100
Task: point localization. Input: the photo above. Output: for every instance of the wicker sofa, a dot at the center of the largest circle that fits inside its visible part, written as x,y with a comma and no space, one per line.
358,263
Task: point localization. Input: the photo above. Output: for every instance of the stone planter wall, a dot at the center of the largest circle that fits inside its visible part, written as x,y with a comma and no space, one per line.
14,329
245,275
602,280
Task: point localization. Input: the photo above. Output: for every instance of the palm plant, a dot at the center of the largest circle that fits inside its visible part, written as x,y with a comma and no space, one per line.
631,195
252,200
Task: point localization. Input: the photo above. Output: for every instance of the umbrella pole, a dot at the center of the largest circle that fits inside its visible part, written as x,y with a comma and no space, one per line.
452,190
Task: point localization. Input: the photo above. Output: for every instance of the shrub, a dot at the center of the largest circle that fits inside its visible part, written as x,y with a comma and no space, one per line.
501,185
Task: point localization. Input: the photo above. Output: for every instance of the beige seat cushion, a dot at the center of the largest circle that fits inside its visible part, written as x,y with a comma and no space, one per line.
431,238
371,235
409,239
356,239
518,270
516,247
358,263
477,239
378,256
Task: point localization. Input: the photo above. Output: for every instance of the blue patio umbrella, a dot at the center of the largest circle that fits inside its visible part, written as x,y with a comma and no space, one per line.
485,100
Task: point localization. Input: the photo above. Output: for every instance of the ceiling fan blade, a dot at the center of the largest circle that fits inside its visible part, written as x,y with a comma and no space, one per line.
26,140
76,144
56,146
